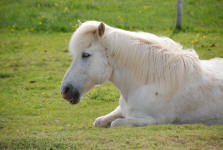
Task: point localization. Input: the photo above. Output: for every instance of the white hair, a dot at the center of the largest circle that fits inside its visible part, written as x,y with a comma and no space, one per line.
159,81
150,59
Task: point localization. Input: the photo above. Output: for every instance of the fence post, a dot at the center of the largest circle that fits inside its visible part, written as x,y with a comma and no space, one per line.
179,13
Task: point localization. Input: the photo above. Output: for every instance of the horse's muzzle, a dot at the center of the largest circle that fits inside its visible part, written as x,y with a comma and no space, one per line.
70,93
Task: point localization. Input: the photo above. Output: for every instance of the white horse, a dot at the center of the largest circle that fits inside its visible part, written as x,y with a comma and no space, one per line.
159,82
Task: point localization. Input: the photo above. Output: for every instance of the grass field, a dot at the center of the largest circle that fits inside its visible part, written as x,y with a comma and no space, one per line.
34,35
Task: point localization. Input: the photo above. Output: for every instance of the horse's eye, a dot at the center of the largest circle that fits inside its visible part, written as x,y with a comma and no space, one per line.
85,55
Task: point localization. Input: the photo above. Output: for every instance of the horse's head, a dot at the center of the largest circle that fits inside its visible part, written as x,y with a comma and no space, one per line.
90,65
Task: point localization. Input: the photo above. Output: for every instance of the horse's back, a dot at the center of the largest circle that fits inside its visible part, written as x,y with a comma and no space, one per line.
213,66
202,100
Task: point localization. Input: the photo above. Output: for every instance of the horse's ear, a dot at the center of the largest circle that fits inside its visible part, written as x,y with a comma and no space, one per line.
101,29
79,22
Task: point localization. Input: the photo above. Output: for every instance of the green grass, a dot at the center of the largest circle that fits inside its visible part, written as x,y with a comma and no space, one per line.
55,15
34,58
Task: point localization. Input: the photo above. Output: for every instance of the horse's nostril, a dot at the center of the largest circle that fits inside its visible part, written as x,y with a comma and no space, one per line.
71,94
66,89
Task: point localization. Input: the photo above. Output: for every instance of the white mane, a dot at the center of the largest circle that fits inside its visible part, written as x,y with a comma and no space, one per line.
148,57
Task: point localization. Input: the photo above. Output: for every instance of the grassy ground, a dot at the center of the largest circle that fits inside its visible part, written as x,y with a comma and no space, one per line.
33,62
55,15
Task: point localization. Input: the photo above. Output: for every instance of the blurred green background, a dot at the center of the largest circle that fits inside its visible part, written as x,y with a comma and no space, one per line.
52,15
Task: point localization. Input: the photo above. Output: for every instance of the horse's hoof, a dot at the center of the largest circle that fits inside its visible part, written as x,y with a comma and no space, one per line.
101,123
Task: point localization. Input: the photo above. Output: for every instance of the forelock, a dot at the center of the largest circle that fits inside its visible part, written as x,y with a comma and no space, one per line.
83,36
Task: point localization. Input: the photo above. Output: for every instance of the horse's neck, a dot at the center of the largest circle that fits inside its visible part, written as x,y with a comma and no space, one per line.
123,80
127,84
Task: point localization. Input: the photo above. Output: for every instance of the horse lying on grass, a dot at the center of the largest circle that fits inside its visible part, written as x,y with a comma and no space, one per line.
159,82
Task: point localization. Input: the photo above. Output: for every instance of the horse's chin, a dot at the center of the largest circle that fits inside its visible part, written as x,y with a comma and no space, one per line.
72,100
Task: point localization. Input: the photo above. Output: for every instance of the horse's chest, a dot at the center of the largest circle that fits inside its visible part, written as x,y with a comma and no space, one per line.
141,102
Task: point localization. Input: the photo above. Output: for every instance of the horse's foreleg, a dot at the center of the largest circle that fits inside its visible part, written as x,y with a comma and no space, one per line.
105,121
133,121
